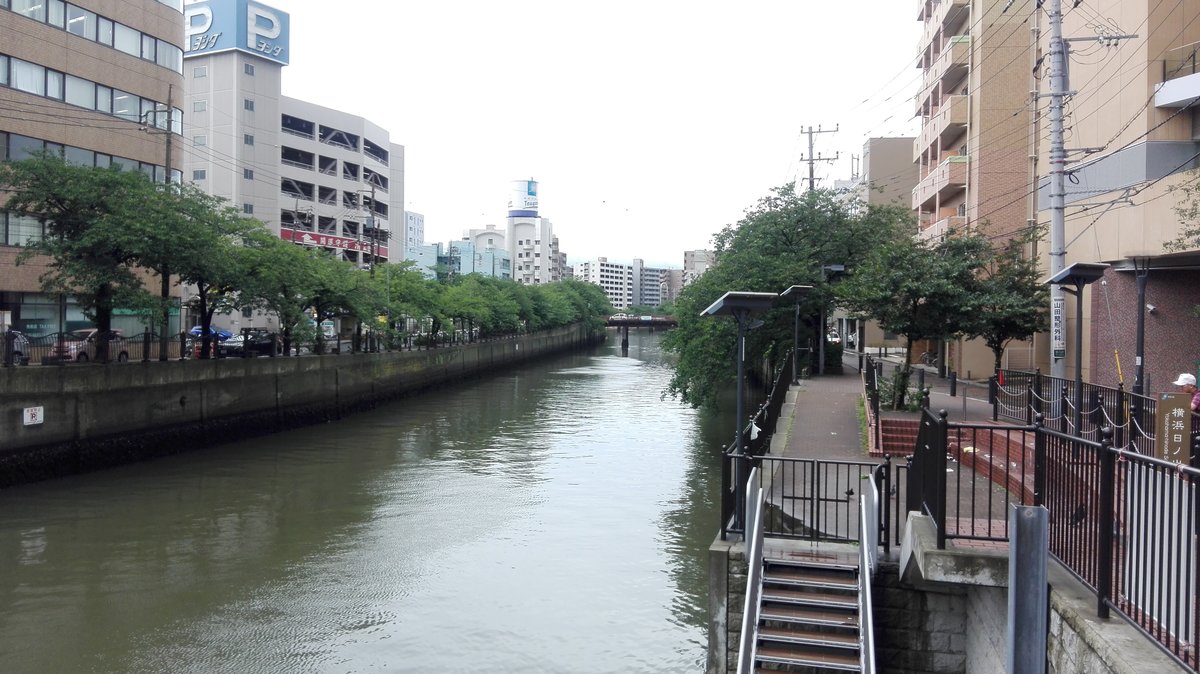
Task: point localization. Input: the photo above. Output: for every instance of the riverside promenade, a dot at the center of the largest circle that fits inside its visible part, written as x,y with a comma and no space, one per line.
820,419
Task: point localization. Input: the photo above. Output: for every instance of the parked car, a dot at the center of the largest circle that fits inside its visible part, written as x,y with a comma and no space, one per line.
20,347
257,342
217,333
82,345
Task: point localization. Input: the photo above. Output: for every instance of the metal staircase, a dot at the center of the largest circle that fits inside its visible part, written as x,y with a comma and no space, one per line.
808,618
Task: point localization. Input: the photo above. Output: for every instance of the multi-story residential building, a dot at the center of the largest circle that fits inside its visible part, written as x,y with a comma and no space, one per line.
314,175
973,150
532,245
695,263
647,284
427,257
99,82
1134,100
414,230
615,279
466,257
671,284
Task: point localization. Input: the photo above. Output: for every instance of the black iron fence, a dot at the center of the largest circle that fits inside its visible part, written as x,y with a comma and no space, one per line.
1126,524
1020,396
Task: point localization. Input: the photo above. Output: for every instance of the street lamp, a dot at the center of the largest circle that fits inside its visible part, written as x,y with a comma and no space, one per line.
826,270
799,292
1079,275
740,305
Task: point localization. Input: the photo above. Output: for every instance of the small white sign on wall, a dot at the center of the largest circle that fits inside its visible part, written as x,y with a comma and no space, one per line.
34,415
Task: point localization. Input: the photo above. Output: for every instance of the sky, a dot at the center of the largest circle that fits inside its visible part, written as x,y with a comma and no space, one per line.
649,125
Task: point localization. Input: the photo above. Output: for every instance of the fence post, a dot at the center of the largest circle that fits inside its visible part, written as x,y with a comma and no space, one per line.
1039,460
10,338
939,478
1064,405
1106,518
1037,394
1122,419
183,345
146,345
814,499
885,491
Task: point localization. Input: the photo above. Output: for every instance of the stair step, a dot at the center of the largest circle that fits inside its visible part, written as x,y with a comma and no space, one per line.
809,616
808,563
834,579
825,599
809,637
805,657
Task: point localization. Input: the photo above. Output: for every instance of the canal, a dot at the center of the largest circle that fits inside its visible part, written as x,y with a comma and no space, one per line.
549,519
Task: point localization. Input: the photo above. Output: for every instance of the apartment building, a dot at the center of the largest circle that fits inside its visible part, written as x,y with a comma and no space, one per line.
615,279
314,175
96,81
973,151
1135,104
695,263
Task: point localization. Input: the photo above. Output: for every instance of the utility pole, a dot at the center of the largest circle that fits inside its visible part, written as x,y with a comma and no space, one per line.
163,339
1059,89
812,180
1058,158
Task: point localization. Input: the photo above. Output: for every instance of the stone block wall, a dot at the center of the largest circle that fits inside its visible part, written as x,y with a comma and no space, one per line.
918,631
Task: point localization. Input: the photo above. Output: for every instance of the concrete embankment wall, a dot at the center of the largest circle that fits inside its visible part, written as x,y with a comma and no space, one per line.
96,416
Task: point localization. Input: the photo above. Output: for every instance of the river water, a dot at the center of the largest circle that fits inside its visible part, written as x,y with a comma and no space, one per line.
549,519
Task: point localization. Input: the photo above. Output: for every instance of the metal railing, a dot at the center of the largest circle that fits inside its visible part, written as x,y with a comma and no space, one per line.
868,557
754,559
1021,395
817,500
1125,524
756,439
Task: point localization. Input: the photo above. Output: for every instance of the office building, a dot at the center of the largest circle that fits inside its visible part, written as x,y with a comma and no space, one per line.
532,246
99,82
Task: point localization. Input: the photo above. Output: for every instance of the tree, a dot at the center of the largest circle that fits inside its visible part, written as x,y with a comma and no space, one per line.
86,213
1013,299
919,289
783,240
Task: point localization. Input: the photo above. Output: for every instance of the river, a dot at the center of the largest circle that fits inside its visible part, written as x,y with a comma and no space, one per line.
553,518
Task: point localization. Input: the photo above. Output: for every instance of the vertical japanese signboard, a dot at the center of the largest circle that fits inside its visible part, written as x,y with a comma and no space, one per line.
1173,427
1058,328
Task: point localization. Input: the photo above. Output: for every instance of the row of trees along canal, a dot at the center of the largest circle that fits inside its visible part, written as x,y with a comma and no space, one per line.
107,232
962,285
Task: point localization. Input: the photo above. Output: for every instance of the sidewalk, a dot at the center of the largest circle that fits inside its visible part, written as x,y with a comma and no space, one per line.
820,416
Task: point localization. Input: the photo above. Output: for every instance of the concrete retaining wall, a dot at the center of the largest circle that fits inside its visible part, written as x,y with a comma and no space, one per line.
102,415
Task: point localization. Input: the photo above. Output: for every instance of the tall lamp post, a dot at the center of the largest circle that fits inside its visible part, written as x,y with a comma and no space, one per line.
1079,275
826,270
742,306
798,292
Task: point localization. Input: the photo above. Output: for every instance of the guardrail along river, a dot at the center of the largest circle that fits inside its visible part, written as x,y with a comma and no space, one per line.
554,518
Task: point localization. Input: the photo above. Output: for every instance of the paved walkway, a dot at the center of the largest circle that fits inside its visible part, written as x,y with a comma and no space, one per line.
823,411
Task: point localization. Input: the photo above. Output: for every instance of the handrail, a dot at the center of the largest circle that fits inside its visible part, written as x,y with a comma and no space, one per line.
747,651
868,553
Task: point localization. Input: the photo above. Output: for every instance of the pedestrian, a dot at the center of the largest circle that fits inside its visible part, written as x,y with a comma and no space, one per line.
1188,383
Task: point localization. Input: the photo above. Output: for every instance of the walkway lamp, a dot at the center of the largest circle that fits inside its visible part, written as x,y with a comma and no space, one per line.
742,306
1079,275
798,292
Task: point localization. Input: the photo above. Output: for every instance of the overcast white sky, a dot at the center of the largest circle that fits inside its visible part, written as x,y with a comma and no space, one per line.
648,124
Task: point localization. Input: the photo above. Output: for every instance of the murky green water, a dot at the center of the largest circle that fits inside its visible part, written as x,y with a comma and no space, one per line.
551,519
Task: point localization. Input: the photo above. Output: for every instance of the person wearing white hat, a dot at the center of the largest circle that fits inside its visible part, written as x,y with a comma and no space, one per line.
1188,383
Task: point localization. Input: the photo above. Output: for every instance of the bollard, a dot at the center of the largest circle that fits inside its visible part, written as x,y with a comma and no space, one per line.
920,378
953,383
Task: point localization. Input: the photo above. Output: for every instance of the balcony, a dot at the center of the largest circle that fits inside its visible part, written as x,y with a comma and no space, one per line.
945,125
947,15
1181,79
939,229
949,177
949,67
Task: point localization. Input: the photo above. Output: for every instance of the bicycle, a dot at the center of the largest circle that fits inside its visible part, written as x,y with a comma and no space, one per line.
929,358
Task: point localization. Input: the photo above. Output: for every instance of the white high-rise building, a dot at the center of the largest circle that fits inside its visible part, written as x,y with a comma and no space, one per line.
530,239
414,229
314,175
616,280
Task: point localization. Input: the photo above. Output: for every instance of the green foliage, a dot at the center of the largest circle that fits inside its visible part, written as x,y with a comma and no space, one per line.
782,241
1012,302
107,230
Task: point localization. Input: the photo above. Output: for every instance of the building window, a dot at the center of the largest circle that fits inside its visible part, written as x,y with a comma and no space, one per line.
248,174
248,209
248,68
248,138
199,71
248,104
199,174
199,106
199,140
